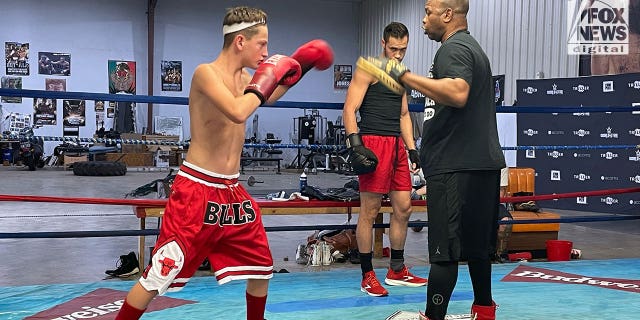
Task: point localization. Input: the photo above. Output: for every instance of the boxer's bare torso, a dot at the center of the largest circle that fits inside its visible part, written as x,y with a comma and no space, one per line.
216,140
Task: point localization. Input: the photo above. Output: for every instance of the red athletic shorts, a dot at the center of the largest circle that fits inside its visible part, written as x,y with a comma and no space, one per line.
211,216
392,172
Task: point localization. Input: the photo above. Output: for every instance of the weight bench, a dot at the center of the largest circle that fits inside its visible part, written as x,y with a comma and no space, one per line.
244,160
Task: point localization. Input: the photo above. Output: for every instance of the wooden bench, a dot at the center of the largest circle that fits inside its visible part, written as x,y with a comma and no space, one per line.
524,237
244,160
268,207
529,237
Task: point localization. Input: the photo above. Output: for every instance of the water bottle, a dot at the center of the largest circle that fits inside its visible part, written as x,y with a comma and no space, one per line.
303,181
497,91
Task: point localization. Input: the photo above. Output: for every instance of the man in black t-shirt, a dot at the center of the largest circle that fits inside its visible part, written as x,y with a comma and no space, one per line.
460,155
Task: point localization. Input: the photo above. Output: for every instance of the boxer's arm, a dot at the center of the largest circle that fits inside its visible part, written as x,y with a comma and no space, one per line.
406,131
406,127
360,82
277,94
313,54
210,86
452,92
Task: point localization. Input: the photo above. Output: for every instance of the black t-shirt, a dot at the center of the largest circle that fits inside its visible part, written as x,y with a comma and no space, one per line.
462,139
380,111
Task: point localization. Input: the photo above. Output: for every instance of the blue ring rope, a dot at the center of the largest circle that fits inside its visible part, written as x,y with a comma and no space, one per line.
149,232
280,145
283,104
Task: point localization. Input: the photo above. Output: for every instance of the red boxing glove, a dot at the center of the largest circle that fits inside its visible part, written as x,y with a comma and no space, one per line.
278,69
314,54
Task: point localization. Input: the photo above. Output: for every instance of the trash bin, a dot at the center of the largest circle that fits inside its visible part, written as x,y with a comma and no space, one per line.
559,250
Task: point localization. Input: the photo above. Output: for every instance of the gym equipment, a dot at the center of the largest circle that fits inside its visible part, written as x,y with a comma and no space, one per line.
251,181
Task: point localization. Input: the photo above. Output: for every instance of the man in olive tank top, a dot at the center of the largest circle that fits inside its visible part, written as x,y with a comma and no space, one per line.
379,146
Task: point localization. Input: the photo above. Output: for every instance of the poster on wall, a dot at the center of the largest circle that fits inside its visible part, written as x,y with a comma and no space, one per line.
168,126
122,77
98,106
171,75
73,113
111,110
17,58
11,83
100,120
342,76
44,111
54,63
55,84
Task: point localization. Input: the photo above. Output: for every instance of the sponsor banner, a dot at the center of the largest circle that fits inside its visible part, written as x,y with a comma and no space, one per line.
572,170
101,304
527,273
608,90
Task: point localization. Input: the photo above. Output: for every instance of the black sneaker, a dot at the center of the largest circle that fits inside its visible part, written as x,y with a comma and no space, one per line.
127,266
205,266
120,262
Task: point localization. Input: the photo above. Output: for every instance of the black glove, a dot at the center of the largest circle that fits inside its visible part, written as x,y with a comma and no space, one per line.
414,158
361,159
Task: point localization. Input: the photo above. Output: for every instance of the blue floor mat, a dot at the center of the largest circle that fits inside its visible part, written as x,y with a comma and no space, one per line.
583,289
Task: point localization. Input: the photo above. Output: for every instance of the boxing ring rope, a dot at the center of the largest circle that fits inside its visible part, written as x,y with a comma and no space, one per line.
321,147
411,224
294,204
284,104
317,147
267,204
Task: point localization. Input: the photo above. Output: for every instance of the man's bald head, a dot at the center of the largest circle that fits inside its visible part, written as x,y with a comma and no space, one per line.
458,6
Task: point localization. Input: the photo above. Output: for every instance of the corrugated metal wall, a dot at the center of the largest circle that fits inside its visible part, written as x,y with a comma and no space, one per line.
521,37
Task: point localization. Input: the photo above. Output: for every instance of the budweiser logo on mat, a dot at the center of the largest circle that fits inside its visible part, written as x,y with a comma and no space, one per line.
525,273
101,304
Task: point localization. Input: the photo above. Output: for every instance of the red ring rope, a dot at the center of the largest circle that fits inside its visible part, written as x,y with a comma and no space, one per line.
291,204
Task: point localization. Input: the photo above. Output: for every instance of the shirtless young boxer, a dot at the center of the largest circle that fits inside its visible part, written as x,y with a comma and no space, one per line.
209,214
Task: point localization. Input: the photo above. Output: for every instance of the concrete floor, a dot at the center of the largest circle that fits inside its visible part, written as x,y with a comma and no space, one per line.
76,260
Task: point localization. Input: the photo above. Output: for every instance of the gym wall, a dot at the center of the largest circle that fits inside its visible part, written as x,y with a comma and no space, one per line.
93,32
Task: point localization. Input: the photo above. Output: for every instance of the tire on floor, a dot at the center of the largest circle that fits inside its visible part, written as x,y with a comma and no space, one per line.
99,168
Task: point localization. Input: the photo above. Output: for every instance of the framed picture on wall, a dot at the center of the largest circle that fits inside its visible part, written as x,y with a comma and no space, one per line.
122,77
53,63
98,106
55,84
171,75
168,126
17,58
11,83
342,74
111,112
44,111
73,113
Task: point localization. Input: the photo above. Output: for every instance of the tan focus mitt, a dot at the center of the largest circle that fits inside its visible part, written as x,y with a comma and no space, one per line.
387,71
